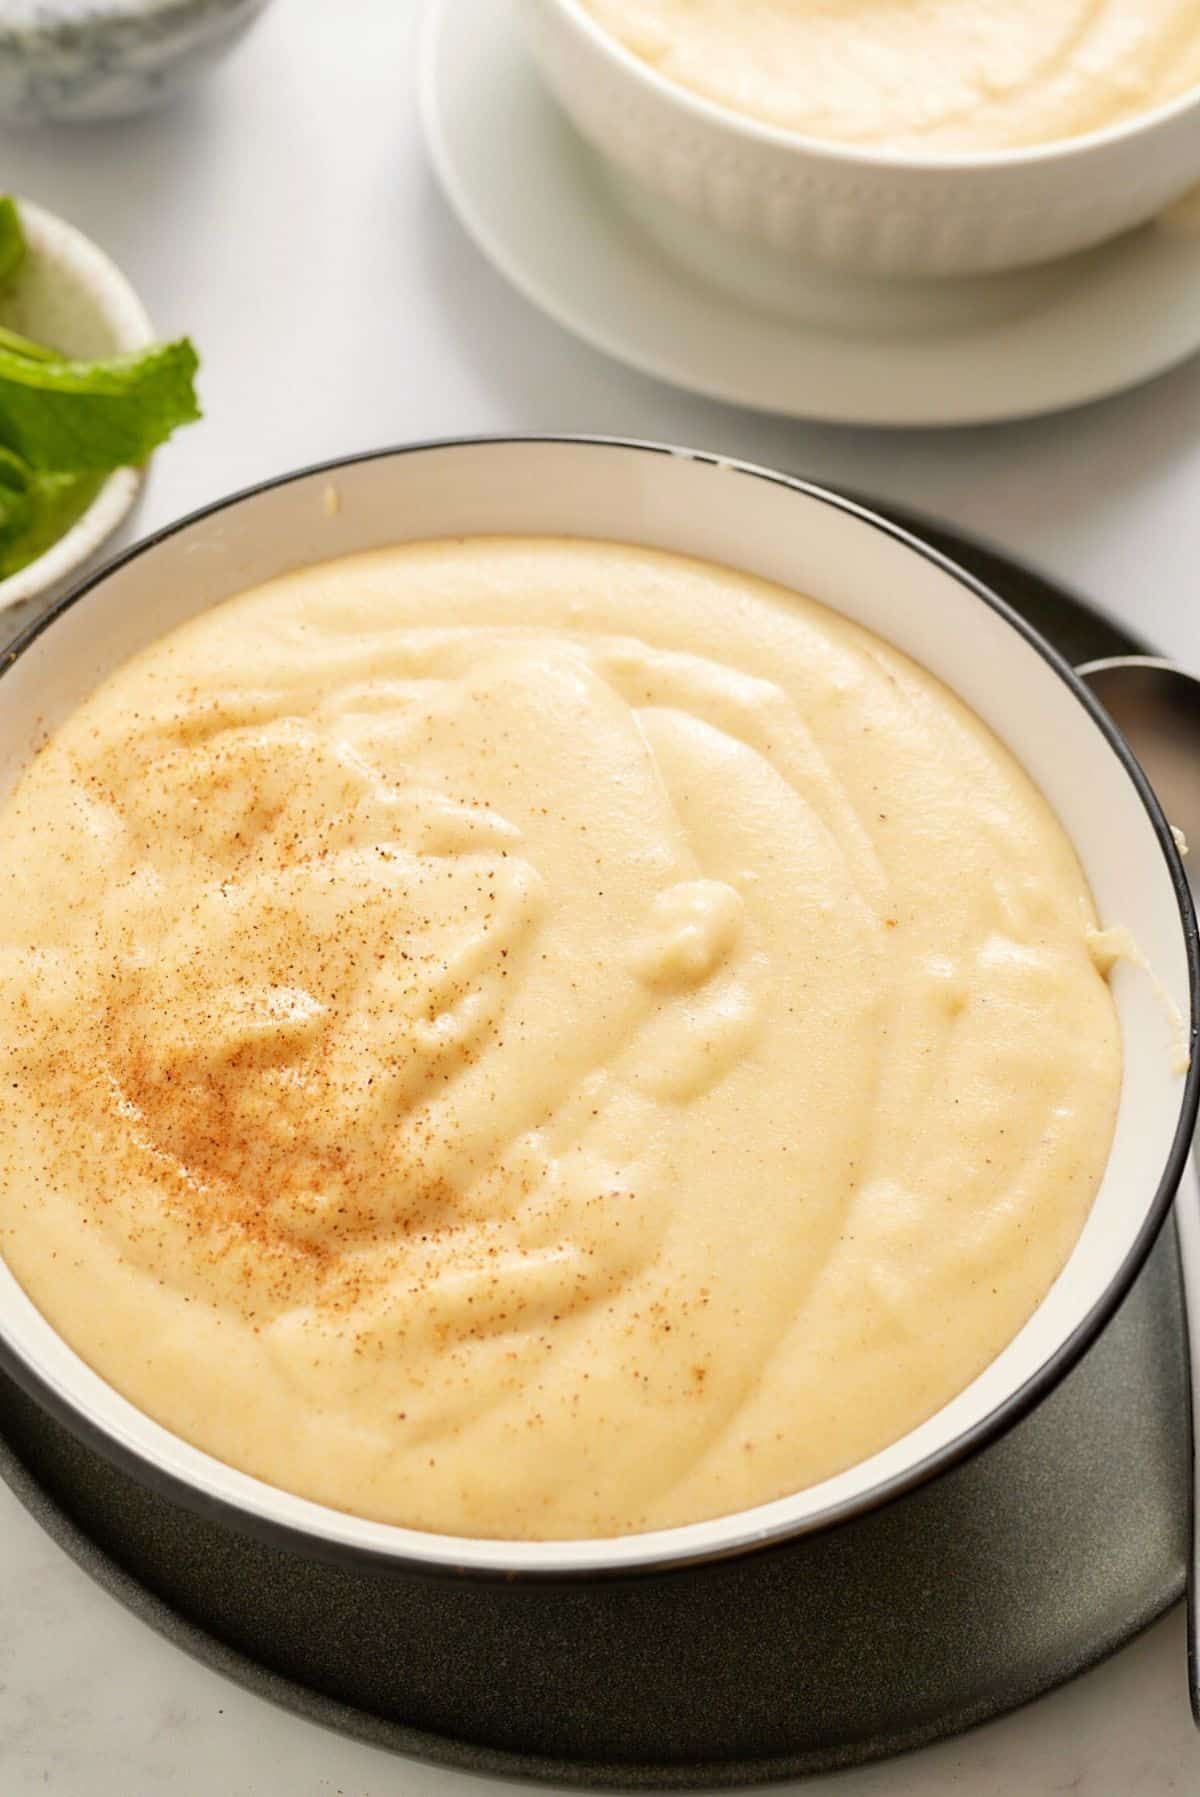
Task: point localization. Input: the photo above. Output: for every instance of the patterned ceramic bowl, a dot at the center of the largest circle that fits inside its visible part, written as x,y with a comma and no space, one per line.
95,59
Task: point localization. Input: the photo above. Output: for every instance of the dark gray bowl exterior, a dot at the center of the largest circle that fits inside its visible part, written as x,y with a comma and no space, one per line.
944,1608
956,1600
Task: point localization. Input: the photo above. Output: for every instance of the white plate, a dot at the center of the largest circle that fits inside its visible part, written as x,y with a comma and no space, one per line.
545,211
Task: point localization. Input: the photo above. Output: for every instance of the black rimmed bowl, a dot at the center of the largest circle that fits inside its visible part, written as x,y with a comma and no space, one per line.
616,1650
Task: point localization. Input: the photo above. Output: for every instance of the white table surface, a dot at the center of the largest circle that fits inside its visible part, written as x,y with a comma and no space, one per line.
285,216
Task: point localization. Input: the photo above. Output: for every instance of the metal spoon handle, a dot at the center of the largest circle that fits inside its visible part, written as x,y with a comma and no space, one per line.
1187,1225
1157,705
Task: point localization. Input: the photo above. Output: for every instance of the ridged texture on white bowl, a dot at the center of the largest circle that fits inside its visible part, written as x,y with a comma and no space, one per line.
841,207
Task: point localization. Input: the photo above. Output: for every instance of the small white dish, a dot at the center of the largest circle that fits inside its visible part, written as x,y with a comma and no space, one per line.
834,347
70,294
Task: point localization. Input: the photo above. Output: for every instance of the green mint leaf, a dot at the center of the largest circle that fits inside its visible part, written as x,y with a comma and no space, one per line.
25,346
16,508
36,519
12,254
14,472
90,417
12,238
64,425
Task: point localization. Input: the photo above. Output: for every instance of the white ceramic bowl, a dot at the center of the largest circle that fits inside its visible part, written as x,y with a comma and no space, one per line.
863,210
70,294
810,540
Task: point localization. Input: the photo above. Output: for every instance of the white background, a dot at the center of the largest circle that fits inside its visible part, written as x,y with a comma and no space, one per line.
285,216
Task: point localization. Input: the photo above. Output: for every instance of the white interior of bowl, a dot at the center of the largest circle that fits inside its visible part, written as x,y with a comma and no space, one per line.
71,295
711,509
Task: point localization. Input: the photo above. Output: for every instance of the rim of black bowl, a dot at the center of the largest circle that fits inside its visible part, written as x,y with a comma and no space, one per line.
661,1560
